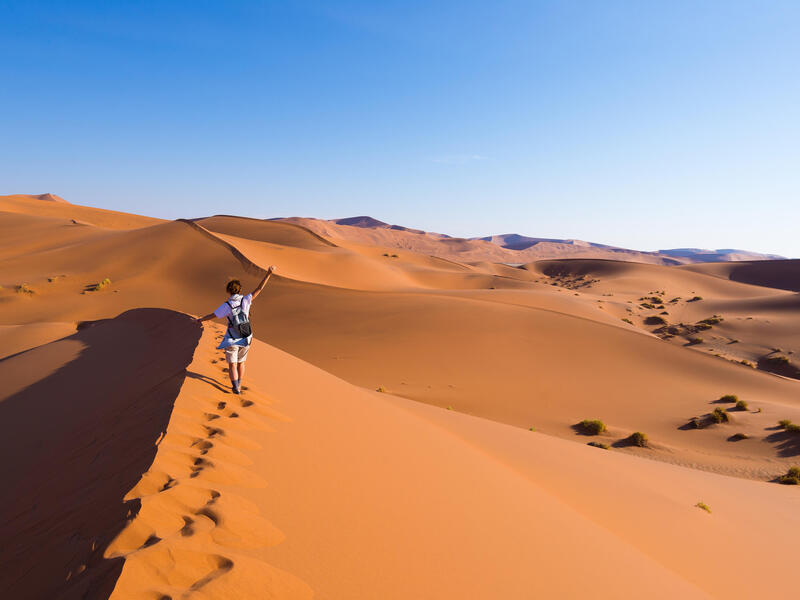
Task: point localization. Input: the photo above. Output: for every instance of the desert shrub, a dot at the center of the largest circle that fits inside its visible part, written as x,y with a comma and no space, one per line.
715,320
738,436
674,300
386,254
102,285
693,341
792,477
655,320
704,506
741,405
381,389
702,326
395,256
646,305
747,363
593,426
784,423
628,321
600,445
532,429
729,398
697,422
720,415
793,428
24,289
637,438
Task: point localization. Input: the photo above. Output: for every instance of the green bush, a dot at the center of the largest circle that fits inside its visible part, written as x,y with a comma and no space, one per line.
729,398
628,321
102,285
793,427
720,415
637,438
695,299
655,320
693,341
784,423
739,436
741,405
715,320
792,477
593,426
381,389
704,506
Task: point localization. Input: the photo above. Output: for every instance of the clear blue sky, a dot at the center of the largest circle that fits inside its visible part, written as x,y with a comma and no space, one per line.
640,124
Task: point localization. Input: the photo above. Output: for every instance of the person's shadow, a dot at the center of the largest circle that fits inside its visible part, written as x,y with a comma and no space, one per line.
209,380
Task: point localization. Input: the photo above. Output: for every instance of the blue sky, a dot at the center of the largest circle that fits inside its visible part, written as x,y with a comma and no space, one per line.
639,124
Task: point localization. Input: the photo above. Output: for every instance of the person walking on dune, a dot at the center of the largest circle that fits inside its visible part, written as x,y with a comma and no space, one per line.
239,335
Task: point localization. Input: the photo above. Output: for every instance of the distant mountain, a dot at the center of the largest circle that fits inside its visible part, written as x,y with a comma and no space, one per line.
721,255
511,248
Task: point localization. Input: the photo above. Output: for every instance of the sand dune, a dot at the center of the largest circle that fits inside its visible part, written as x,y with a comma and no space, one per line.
82,416
48,205
322,487
783,274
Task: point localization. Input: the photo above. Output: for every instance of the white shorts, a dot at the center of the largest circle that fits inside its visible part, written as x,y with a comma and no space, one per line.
236,354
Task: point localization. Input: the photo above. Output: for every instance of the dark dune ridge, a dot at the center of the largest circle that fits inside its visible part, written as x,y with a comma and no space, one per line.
80,438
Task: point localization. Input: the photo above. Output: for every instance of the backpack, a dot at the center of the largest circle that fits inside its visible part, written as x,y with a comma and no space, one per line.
239,322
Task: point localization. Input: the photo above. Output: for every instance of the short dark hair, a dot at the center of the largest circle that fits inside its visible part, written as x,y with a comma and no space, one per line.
234,286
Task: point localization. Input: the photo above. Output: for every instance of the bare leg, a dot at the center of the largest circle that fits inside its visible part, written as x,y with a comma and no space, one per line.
241,372
233,372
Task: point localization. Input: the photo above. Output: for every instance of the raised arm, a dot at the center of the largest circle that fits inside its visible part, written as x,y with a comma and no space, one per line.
264,281
208,317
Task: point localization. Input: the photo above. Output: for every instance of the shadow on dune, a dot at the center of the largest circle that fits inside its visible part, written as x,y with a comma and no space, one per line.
787,443
81,418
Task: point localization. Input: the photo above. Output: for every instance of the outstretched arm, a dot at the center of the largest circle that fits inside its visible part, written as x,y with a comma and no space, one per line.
208,317
264,281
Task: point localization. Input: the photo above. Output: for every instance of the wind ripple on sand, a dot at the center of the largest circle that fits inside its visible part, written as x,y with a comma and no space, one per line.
191,536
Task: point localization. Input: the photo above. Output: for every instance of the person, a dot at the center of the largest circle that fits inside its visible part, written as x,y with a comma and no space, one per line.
235,343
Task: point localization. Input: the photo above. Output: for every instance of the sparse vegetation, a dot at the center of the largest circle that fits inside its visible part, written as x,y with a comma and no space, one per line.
532,429
792,477
637,438
647,305
102,285
655,320
747,363
784,423
695,299
738,436
715,320
592,426
395,256
693,341
729,398
741,405
628,321
24,289
381,389
720,415
704,506
600,445
675,300
702,327
793,428
697,422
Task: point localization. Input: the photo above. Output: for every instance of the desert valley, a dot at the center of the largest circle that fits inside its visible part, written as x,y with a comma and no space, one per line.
423,417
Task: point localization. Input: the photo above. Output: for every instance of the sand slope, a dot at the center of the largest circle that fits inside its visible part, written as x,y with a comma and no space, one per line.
364,495
81,418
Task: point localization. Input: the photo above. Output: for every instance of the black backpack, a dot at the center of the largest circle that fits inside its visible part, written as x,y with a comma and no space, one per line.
239,322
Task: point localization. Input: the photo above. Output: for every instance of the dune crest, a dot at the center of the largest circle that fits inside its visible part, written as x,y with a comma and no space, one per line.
194,529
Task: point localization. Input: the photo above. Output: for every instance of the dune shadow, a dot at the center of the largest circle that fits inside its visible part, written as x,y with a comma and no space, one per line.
787,443
81,418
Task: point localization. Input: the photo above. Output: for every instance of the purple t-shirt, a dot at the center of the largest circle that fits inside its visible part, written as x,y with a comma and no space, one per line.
225,311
